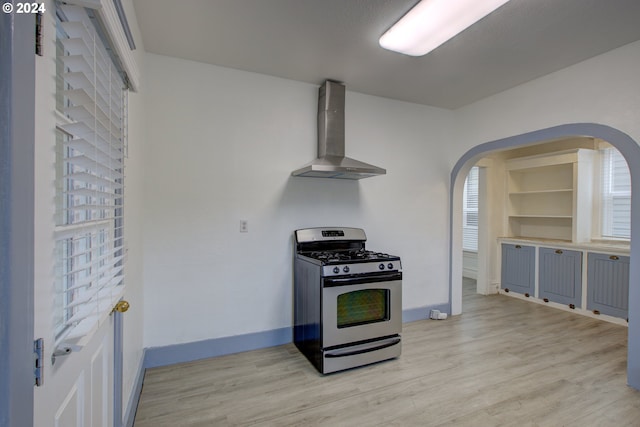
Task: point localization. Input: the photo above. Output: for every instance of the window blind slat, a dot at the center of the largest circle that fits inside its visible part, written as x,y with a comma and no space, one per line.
88,147
90,173
77,64
79,47
95,180
470,211
99,169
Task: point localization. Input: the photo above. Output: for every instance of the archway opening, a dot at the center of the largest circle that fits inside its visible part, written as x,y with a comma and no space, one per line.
631,152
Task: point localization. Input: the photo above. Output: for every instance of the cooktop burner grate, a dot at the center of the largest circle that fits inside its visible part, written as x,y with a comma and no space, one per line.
349,256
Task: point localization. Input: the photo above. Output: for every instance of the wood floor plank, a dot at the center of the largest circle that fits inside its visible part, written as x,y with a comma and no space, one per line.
503,362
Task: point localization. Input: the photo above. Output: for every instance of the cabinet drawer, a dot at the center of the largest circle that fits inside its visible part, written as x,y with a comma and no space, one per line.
608,284
518,268
560,275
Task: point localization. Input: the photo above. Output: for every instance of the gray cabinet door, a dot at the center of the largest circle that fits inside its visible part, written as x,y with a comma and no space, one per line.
608,284
560,275
518,268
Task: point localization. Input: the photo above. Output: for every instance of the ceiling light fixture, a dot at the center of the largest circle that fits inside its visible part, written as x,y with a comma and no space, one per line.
432,22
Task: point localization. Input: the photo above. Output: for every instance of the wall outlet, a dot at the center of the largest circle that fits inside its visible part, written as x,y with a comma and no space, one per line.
244,226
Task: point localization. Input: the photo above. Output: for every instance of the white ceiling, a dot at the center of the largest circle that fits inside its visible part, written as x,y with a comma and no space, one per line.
314,40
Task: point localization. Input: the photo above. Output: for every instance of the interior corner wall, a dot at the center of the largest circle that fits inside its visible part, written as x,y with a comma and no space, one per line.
222,144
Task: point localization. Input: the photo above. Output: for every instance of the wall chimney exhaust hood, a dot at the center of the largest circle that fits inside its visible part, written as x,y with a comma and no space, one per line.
331,161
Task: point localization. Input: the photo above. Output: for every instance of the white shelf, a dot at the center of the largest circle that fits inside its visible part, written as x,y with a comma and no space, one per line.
548,195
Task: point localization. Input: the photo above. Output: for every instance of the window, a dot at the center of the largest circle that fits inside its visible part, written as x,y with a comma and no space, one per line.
615,194
90,146
470,211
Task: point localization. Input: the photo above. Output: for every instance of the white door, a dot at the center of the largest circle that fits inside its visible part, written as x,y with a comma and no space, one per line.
77,388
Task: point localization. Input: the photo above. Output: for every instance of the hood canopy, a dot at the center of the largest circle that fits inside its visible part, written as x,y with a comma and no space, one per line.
331,161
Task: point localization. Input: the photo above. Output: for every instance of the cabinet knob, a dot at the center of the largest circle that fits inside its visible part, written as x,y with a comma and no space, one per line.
558,251
614,257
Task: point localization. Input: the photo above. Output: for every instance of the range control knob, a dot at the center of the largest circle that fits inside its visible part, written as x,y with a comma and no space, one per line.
390,266
336,270
381,266
346,269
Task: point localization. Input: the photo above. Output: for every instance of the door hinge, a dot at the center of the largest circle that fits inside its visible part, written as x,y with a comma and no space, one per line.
38,356
39,51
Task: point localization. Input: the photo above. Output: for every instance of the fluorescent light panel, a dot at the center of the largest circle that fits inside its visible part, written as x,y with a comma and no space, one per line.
432,22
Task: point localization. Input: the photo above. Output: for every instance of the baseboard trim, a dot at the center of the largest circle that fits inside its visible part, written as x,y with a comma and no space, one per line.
134,398
188,352
422,313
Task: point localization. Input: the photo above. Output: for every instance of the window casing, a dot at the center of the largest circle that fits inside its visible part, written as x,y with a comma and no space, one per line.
615,195
90,150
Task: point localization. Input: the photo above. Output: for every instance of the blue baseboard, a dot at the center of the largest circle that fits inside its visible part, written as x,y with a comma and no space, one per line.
422,313
187,352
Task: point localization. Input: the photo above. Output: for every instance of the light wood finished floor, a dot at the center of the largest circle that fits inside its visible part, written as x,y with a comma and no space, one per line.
504,362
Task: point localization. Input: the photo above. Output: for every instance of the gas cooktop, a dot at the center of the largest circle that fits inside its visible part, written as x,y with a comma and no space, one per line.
349,256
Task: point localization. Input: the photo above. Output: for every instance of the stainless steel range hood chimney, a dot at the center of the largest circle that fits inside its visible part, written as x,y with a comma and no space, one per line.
331,161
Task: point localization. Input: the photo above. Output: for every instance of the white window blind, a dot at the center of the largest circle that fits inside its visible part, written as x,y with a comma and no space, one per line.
470,211
615,195
90,143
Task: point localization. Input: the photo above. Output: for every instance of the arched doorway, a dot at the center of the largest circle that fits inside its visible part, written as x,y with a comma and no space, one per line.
629,149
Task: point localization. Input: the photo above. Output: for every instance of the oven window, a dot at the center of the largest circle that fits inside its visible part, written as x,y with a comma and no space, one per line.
364,306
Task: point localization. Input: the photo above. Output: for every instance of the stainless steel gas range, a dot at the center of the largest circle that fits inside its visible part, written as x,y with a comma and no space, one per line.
347,300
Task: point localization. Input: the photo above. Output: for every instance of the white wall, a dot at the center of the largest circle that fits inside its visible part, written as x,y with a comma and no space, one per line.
221,147
602,90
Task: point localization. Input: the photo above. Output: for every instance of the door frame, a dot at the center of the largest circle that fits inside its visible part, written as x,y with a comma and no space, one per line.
631,152
17,144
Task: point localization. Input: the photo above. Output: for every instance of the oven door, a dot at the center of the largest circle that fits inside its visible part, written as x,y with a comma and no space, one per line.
361,308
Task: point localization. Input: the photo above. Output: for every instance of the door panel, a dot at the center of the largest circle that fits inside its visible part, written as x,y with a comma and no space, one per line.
100,385
70,412
78,388
518,264
560,275
608,284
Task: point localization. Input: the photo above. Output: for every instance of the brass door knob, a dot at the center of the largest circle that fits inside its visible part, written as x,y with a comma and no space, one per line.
122,306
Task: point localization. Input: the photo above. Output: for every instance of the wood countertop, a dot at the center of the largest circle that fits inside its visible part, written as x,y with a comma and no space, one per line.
618,247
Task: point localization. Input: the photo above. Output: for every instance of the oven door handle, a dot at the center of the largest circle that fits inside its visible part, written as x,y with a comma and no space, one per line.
362,348
357,280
